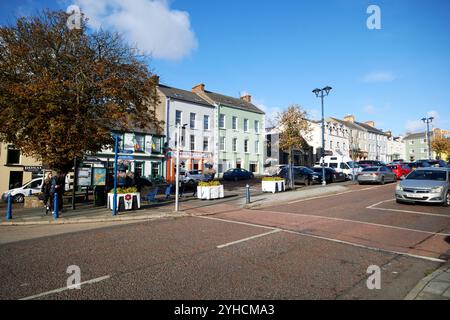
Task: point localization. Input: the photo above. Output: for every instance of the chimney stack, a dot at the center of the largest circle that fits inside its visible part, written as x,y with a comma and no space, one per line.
350,118
155,79
370,123
200,88
247,97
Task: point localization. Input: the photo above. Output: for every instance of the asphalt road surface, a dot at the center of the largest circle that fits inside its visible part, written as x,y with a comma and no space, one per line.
318,248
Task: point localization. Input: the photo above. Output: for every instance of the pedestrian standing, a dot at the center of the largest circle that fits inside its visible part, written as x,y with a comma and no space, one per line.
45,189
58,188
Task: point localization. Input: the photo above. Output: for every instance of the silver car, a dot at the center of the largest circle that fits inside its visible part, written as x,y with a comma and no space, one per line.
425,185
379,174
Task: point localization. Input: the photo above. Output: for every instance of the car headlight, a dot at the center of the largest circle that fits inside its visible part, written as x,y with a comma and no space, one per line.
437,189
399,187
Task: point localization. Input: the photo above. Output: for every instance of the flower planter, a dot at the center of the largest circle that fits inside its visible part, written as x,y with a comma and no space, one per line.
273,186
125,201
209,193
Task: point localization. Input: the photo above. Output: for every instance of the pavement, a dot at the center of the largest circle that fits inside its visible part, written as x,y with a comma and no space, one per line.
435,286
162,209
315,247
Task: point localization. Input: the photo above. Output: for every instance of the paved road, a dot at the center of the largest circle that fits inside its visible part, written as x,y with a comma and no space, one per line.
316,248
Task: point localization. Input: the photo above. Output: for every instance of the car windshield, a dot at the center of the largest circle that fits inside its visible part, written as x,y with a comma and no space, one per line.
352,164
372,169
427,175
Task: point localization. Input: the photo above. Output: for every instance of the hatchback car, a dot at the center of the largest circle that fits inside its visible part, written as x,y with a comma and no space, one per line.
429,185
331,175
237,174
400,170
302,175
376,175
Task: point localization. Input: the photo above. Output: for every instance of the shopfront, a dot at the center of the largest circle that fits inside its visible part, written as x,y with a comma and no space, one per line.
188,161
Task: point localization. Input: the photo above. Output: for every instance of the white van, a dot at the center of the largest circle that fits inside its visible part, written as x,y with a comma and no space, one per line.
342,164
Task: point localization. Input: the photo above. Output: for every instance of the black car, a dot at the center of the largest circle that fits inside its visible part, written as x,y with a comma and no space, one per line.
331,175
302,175
419,164
237,174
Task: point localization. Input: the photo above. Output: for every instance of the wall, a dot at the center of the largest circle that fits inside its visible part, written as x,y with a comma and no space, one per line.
229,158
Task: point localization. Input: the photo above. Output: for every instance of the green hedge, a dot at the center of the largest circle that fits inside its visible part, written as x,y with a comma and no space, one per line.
272,179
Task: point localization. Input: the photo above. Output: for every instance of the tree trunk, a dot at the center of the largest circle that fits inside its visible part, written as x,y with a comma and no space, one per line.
291,175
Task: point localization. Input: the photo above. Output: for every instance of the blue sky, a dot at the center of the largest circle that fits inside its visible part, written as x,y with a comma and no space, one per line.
279,51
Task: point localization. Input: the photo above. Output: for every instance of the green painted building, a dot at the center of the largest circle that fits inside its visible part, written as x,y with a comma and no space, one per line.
239,132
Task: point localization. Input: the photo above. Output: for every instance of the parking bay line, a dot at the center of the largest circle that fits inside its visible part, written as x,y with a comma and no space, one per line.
335,194
374,207
66,288
361,222
332,240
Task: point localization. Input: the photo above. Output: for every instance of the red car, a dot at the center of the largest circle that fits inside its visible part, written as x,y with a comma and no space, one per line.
400,170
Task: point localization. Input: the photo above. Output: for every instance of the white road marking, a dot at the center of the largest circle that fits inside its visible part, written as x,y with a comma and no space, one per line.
362,222
247,239
336,194
237,222
374,207
66,288
339,241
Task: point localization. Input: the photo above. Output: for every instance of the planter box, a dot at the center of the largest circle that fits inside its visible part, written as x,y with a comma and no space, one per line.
125,201
33,202
273,186
210,192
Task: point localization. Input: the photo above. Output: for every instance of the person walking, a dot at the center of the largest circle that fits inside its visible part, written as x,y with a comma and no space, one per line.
45,189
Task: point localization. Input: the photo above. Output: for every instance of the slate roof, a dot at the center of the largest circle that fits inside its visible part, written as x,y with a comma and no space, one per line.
349,124
183,95
233,102
370,128
416,135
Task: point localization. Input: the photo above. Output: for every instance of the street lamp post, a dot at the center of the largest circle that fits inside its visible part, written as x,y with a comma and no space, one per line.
321,93
177,170
427,136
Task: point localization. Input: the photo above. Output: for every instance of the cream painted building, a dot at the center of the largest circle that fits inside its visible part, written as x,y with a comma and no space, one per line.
15,168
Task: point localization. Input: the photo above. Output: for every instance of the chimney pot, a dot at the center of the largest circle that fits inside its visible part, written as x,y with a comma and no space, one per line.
370,123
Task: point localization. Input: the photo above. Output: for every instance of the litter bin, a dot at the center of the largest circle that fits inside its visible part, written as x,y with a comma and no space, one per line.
99,196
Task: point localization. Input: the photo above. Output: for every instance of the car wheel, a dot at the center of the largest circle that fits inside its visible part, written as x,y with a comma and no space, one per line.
307,182
18,198
447,200
382,180
350,177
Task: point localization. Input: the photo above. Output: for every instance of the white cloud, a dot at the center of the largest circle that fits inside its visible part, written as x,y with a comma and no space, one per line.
369,109
379,76
419,126
152,25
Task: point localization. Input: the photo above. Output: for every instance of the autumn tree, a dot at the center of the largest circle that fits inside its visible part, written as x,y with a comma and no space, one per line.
292,124
62,90
441,145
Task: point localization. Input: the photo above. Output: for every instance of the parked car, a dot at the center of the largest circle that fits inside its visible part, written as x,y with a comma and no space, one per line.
237,174
371,163
418,164
437,163
302,175
18,194
331,175
430,185
192,177
379,174
274,170
400,170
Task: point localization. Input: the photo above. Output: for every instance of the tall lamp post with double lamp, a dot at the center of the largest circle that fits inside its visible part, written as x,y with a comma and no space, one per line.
427,136
321,93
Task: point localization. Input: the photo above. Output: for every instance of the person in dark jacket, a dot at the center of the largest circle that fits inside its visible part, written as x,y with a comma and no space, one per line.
58,186
45,189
